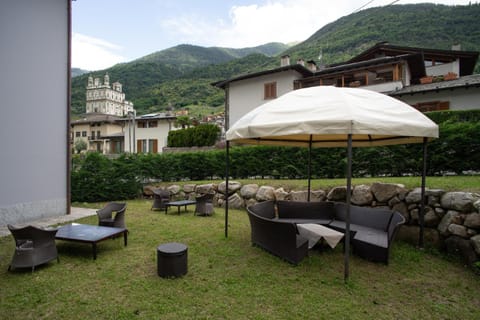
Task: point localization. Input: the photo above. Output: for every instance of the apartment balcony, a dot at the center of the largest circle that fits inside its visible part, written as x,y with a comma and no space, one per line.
96,138
385,86
379,85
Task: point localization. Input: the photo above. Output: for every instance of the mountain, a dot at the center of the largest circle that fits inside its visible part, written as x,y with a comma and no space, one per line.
181,76
178,76
187,57
417,25
78,72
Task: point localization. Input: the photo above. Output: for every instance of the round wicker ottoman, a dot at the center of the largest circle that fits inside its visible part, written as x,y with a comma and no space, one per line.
172,260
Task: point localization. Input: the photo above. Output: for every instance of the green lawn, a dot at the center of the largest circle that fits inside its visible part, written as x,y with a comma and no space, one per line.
230,279
448,183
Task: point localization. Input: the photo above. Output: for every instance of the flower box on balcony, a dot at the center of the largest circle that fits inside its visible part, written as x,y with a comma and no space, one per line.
427,79
450,76
355,84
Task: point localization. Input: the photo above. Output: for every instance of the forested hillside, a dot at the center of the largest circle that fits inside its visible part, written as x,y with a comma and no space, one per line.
177,76
185,57
78,72
181,76
417,25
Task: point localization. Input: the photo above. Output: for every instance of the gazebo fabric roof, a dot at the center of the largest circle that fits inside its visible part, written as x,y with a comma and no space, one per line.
324,116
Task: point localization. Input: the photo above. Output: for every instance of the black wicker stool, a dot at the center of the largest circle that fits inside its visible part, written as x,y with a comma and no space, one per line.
172,259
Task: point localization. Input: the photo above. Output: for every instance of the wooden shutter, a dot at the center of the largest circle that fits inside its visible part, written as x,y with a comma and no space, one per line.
139,146
444,105
270,90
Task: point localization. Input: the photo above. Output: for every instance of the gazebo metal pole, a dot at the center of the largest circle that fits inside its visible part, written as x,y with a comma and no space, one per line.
347,229
309,173
227,164
421,217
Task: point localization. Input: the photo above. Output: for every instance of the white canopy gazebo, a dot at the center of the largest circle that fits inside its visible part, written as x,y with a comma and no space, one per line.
327,116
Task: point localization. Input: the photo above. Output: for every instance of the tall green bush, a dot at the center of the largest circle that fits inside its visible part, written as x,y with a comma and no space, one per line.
97,178
199,136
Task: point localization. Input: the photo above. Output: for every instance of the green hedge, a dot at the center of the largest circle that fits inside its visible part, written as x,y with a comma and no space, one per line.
198,136
454,116
97,178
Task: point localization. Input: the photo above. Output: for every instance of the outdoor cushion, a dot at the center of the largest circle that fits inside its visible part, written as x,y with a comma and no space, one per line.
301,220
370,217
372,236
305,210
342,225
265,209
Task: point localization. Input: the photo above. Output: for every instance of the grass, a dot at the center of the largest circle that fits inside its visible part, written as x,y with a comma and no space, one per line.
447,183
202,110
229,279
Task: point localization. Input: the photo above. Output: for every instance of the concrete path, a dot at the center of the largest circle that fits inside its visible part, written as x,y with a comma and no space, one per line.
75,214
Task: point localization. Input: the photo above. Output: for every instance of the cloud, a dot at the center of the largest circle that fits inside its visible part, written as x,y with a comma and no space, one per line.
92,54
268,21
281,21
251,25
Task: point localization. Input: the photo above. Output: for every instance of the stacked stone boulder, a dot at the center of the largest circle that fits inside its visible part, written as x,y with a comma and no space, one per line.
451,219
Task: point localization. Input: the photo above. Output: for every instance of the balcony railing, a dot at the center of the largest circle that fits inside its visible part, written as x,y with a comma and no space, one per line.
96,137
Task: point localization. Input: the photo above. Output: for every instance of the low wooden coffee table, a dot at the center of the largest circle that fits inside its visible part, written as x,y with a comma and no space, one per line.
179,204
87,233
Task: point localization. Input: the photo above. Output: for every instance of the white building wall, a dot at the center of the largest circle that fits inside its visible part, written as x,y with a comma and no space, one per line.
80,128
246,95
34,105
160,133
385,87
460,99
442,69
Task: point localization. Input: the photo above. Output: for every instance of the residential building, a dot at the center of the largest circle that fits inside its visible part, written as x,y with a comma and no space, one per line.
147,133
35,91
101,127
245,93
101,132
399,71
110,124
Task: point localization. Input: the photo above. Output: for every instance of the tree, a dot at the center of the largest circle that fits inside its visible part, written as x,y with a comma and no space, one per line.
183,121
80,145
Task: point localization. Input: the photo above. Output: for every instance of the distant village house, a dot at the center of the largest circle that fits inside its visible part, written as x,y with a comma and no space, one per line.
427,79
111,126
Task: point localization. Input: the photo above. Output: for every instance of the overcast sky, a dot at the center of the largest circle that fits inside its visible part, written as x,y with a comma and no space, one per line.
106,32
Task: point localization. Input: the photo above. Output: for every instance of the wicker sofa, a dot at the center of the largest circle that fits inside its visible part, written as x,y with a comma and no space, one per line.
278,237
372,230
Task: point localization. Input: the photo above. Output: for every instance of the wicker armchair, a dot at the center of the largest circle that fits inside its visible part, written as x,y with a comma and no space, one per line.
33,246
204,205
160,199
106,217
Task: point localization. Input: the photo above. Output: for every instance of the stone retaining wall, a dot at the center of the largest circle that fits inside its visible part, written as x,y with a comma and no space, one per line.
451,220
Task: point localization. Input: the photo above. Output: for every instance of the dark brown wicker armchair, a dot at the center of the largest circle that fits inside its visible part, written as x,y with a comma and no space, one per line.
33,246
204,204
160,199
106,217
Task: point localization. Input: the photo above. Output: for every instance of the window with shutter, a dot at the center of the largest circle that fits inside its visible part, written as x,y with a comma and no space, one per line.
270,90
432,106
